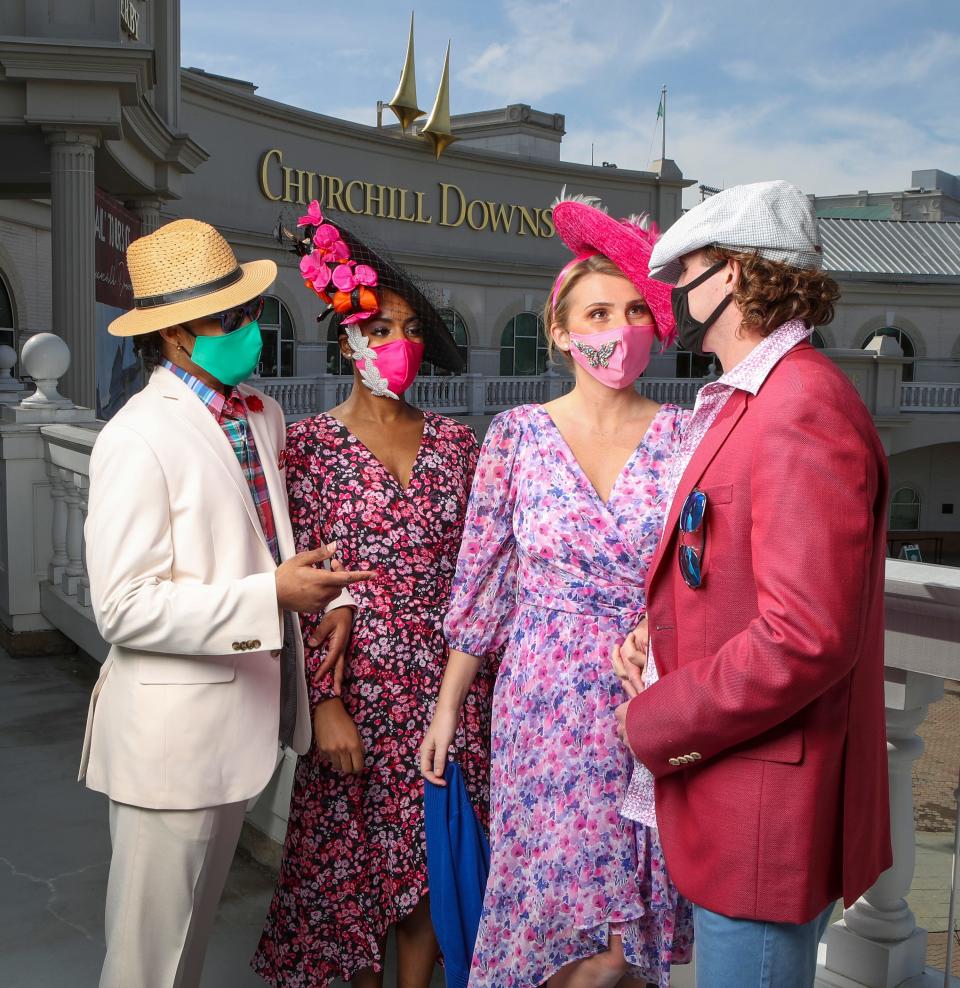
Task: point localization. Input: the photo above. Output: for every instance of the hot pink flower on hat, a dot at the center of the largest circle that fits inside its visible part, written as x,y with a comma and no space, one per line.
328,243
315,272
314,217
347,278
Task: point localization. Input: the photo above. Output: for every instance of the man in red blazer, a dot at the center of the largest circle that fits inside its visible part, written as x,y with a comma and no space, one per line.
765,731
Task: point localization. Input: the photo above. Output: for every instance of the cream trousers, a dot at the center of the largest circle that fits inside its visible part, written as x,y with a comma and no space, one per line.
167,873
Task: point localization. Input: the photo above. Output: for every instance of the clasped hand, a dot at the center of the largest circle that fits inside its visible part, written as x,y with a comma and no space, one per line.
629,660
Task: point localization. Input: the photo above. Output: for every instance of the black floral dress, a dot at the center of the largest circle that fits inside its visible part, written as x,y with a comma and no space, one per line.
354,861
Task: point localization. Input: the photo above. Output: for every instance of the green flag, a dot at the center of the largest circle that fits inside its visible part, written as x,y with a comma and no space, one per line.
660,109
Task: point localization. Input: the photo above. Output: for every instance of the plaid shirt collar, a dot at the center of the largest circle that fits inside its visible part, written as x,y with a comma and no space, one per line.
218,403
755,368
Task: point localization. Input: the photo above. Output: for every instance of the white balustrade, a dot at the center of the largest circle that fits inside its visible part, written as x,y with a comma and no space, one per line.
674,391
58,491
920,396
65,599
878,943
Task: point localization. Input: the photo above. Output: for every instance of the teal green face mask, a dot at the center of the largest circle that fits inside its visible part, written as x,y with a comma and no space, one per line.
232,358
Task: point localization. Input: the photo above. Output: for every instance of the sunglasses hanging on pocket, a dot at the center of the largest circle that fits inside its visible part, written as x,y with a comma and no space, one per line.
693,538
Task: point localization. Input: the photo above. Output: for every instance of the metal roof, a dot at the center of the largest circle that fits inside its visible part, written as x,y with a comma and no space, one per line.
905,249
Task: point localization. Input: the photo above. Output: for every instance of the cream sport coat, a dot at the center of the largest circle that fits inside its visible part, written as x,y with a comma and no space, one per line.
185,713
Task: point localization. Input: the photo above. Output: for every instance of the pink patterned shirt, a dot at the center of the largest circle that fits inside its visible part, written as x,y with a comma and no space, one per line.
748,375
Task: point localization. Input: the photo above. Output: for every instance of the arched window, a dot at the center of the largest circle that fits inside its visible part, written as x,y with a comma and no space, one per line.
523,347
818,341
905,509
8,332
279,357
458,330
337,363
906,344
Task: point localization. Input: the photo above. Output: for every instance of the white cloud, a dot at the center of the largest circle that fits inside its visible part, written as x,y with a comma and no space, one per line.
546,48
768,140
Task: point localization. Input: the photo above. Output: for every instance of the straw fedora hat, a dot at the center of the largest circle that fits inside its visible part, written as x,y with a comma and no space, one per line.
183,271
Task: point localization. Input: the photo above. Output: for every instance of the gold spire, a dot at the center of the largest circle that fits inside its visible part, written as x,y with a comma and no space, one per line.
437,127
404,102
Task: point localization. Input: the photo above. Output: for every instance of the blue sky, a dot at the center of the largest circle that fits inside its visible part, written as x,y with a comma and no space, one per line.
835,96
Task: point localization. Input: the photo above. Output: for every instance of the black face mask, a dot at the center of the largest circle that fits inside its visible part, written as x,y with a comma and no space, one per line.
690,331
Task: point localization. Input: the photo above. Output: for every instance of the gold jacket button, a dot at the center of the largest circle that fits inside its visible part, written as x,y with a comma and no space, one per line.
237,646
674,761
255,644
275,653
695,755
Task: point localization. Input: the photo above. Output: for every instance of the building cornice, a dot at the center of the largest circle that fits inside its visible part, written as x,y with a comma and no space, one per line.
129,68
152,132
345,133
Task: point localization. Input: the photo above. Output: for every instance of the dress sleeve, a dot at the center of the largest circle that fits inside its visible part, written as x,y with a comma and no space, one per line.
304,485
484,594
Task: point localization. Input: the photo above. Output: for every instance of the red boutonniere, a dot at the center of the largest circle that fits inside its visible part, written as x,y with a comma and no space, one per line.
254,403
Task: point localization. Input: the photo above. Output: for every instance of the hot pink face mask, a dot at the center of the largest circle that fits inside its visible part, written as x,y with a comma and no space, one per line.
397,363
615,357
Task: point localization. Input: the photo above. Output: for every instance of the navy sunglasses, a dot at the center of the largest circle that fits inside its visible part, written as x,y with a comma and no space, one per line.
691,522
239,315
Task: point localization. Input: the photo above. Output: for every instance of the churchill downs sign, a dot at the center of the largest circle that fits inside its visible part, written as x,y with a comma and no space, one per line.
450,207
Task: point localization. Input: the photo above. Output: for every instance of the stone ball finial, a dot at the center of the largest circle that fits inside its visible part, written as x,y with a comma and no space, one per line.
45,357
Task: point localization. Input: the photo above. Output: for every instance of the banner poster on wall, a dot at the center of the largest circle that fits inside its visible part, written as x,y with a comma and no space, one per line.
118,368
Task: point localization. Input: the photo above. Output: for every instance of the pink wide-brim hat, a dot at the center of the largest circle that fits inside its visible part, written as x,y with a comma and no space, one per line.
587,230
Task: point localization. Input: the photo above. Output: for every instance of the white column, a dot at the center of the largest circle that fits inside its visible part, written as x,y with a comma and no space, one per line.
74,569
83,589
73,268
878,942
58,492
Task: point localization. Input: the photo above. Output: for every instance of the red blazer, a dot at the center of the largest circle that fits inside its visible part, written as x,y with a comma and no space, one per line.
766,732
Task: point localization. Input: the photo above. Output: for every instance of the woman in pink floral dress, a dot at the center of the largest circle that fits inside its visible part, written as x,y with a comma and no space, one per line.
389,484
565,513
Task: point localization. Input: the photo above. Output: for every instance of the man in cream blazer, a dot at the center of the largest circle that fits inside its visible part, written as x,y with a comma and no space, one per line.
195,584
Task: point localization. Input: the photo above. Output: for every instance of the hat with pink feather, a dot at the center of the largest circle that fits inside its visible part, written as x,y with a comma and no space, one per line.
587,229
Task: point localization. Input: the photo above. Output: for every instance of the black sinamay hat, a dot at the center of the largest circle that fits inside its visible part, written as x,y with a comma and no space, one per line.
439,345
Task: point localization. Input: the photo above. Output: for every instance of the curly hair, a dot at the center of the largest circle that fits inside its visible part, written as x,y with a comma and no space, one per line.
558,311
149,348
771,293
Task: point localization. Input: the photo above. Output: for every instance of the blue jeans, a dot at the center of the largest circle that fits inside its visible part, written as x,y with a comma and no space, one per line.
746,953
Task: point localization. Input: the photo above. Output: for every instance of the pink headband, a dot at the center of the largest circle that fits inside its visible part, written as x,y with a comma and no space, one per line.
563,273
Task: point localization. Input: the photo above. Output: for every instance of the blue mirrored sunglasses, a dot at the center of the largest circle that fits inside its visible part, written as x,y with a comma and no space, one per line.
689,557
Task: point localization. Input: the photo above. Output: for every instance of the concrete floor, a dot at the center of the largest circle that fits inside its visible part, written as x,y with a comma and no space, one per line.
55,845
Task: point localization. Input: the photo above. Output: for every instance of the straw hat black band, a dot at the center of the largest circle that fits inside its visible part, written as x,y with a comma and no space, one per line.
152,301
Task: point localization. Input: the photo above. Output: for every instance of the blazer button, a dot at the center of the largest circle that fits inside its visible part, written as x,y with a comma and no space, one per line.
696,756
255,644
275,653
674,761
237,646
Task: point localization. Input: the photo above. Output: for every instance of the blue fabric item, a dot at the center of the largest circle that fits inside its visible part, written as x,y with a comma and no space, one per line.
458,861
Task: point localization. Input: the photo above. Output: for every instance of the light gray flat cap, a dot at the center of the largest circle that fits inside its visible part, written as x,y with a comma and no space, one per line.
773,218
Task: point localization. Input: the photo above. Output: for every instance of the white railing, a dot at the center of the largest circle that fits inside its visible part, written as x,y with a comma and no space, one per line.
920,396
65,597
449,395
473,394
673,391
508,392
297,396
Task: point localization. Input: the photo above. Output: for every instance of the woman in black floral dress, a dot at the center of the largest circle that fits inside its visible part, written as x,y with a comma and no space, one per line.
389,484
